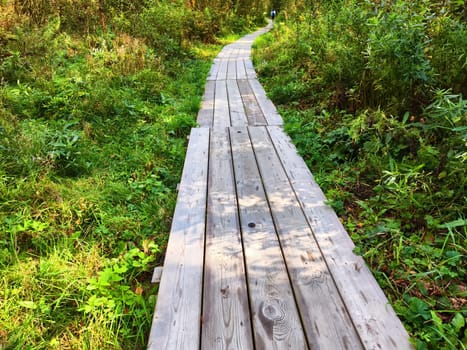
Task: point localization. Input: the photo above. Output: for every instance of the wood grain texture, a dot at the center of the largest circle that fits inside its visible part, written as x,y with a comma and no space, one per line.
375,320
276,322
237,112
268,108
221,107
226,314
176,322
253,111
206,113
325,318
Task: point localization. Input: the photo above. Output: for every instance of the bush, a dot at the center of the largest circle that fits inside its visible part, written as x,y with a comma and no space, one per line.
370,93
448,51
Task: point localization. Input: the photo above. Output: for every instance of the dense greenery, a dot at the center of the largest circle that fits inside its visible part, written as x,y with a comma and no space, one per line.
373,94
96,101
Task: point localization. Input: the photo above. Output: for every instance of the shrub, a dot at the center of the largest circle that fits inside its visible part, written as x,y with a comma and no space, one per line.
448,51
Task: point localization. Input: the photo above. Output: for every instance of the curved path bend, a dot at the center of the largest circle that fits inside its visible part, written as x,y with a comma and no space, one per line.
256,259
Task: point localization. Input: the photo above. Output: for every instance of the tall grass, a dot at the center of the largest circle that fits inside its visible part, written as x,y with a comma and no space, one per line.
95,109
373,95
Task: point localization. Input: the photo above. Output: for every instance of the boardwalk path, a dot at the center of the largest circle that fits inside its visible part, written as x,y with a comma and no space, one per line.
256,259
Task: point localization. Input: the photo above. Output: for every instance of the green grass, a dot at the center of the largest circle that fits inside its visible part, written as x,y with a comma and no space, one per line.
91,152
383,129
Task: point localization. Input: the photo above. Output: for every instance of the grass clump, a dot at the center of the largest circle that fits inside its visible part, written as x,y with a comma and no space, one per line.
373,96
95,106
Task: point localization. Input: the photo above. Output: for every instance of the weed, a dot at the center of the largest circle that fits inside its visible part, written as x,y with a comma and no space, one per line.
377,114
92,141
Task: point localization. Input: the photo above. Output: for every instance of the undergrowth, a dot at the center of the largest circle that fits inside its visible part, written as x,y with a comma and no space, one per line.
95,111
373,95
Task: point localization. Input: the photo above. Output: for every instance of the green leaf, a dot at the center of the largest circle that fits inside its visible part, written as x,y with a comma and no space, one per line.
28,304
419,308
458,322
454,224
437,321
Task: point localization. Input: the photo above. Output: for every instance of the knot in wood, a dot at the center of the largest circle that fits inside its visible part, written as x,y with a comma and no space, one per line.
272,311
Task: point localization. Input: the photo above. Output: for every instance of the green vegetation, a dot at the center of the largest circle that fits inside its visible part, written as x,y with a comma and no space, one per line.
96,101
373,94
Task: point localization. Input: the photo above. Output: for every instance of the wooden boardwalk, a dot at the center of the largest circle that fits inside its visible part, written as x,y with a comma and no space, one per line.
256,259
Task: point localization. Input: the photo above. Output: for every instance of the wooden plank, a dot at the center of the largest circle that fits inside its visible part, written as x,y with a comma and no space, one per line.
252,109
237,113
268,108
375,320
176,322
250,70
232,66
328,325
157,274
226,315
244,53
241,72
206,113
221,107
276,323
222,73
214,69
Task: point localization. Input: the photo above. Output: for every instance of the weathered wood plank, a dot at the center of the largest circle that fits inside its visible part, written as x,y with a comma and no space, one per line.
243,52
157,274
276,323
250,70
252,109
221,107
375,320
325,318
232,66
237,113
241,72
214,69
176,322
268,108
224,63
226,314
206,113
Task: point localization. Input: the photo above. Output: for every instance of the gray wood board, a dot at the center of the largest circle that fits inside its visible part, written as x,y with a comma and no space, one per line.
325,318
252,109
224,62
232,67
237,112
241,72
268,108
226,315
221,107
250,70
375,320
206,113
176,321
214,69
276,322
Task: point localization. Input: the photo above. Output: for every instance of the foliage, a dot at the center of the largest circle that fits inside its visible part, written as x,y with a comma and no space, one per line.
372,95
96,99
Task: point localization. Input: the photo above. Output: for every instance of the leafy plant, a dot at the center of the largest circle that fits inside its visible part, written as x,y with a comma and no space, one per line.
377,115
